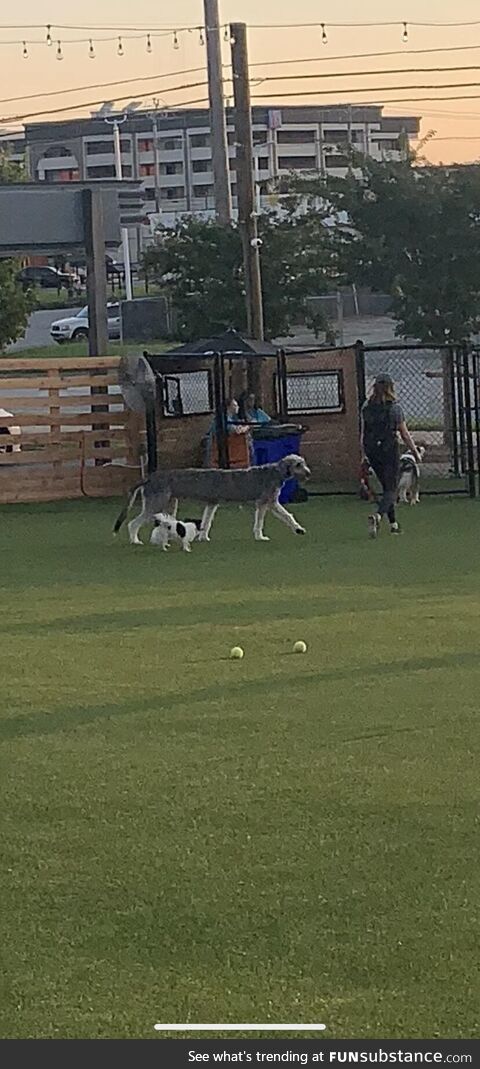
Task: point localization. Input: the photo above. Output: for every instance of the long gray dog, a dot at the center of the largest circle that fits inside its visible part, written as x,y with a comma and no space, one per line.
260,486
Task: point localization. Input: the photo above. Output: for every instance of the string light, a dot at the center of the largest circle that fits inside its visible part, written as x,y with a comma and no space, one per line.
175,40
120,51
201,38
25,50
405,32
91,50
226,35
49,36
59,50
149,43
324,33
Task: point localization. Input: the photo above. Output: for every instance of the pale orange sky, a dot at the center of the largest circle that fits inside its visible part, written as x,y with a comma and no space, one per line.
450,119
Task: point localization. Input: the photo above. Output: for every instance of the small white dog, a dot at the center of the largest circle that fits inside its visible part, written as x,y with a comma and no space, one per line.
167,527
409,482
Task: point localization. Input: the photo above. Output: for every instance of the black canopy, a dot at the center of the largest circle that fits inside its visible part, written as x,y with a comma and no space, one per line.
231,343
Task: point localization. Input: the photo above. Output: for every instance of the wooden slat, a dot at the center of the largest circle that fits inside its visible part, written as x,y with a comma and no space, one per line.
81,419
71,401
42,382
69,437
66,363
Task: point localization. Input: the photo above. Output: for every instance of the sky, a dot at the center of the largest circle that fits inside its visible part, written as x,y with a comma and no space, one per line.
456,123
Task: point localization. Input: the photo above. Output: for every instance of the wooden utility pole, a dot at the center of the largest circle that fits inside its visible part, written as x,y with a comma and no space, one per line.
218,125
247,218
96,273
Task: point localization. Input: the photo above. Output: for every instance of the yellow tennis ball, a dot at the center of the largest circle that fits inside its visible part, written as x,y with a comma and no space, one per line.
300,647
236,654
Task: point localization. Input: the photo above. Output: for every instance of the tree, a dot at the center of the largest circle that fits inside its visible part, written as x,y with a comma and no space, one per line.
15,305
414,233
200,265
10,171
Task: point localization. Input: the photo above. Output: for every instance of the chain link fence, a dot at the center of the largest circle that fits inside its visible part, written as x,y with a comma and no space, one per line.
428,385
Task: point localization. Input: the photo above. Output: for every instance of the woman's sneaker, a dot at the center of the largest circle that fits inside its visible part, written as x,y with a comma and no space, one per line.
373,526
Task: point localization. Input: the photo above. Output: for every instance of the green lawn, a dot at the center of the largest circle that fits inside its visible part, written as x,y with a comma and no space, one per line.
282,838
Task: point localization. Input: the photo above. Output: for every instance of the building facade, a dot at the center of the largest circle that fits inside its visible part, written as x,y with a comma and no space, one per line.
177,173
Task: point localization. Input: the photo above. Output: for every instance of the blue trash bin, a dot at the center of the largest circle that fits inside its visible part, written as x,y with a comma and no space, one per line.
270,450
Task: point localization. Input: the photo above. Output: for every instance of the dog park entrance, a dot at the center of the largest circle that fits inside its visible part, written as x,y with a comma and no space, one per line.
67,431
439,390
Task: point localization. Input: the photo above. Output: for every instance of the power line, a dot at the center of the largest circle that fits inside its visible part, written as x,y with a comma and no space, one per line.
268,78
379,103
365,55
377,88
368,74
102,85
96,103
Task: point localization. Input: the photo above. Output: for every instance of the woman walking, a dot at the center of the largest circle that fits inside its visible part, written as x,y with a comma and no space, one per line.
382,422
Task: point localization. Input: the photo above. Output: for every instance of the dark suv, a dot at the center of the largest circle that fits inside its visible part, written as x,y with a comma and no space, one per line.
48,278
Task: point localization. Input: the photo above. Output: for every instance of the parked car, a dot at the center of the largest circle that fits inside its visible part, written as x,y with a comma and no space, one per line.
48,278
73,328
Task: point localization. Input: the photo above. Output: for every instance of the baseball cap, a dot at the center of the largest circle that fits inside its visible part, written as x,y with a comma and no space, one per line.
383,379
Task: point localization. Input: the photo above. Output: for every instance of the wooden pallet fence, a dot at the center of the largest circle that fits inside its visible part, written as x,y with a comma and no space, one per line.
76,437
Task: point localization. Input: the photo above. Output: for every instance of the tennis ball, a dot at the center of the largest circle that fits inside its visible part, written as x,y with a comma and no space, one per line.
300,647
236,654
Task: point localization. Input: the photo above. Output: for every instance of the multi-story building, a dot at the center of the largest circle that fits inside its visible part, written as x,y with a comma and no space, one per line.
300,138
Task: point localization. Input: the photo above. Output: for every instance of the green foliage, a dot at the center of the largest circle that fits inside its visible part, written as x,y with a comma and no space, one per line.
15,305
10,171
200,264
414,234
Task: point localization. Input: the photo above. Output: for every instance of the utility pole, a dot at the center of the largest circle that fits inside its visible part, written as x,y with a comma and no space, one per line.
247,217
96,275
218,125
115,123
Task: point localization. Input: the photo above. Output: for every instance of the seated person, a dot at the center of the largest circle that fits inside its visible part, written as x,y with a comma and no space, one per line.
234,426
250,412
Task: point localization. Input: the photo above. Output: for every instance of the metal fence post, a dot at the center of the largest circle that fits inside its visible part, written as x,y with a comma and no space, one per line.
221,431
472,488
360,370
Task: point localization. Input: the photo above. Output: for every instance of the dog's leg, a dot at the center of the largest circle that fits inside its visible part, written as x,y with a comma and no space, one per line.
174,507
260,513
206,524
134,527
286,517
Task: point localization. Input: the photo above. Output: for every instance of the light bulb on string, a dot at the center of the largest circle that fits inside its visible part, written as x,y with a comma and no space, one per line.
120,51
48,38
25,50
405,32
91,49
59,50
201,37
226,35
324,33
149,43
175,41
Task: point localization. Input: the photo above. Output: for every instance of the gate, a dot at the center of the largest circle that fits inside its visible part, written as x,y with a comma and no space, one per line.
438,389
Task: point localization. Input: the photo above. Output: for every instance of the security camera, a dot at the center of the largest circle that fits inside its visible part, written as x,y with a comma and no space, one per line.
256,243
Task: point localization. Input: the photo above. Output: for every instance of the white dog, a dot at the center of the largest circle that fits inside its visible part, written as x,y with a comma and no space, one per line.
167,527
409,482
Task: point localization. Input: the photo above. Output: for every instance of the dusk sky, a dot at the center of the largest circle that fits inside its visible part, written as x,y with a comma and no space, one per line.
457,123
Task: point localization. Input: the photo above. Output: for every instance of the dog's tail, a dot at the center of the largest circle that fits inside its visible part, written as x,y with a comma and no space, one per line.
126,508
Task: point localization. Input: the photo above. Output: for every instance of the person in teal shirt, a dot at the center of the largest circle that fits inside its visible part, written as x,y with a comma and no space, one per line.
250,412
234,426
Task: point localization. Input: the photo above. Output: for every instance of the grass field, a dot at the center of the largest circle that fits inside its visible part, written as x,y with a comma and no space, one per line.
283,838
